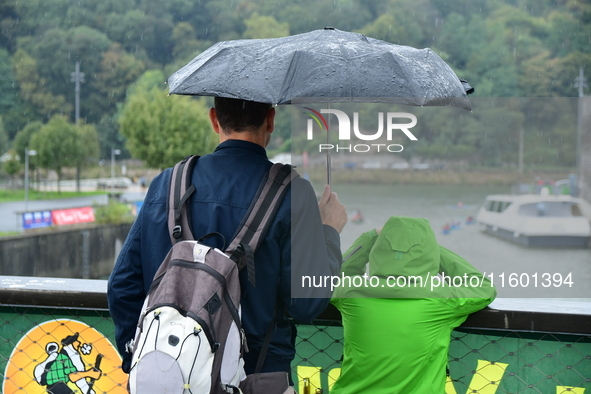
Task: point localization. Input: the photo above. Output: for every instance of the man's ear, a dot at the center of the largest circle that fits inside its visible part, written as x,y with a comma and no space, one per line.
271,120
213,118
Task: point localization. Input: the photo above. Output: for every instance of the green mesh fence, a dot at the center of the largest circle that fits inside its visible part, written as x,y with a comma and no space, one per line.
481,361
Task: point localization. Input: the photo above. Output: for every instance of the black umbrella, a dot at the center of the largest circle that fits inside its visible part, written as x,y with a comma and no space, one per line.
328,65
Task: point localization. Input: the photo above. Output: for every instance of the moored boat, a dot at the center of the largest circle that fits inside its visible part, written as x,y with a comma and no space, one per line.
537,220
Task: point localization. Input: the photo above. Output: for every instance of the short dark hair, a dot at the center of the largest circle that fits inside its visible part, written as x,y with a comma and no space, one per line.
240,115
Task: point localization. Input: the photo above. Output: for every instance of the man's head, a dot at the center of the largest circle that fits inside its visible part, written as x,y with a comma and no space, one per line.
239,116
241,119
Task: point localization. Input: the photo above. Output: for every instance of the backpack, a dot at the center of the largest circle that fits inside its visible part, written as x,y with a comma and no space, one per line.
189,337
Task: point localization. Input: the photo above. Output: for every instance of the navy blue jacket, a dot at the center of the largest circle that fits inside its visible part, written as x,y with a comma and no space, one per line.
226,182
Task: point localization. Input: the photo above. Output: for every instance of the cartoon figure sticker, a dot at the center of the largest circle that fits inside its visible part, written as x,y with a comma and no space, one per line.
64,357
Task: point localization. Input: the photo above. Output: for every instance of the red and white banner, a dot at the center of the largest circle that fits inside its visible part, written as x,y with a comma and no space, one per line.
72,216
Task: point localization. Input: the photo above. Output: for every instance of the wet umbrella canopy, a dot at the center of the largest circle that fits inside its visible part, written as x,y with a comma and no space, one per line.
328,65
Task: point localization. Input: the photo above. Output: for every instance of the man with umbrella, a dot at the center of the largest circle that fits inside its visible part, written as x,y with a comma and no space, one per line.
226,181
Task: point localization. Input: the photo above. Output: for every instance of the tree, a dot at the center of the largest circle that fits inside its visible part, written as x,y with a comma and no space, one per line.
459,37
385,28
417,21
499,131
142,34
59,50
186,46
117,70
566,70
8,23
12,166
87,149
9,91
3,138
261,26
22,140
162,130
567,34
15,112
494,67
57,145
33,88
110,137
447,133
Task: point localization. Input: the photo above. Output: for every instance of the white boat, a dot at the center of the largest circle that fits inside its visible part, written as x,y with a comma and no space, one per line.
537,219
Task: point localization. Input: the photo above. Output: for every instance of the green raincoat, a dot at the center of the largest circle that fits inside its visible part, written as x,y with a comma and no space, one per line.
398,320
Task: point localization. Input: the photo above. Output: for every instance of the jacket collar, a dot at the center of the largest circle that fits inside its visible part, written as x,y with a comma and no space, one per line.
232,145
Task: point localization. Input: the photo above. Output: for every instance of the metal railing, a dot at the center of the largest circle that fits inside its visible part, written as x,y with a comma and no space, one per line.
519,346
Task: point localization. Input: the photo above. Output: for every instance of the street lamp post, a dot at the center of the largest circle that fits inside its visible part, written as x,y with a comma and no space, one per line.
77,77
27,154
113,153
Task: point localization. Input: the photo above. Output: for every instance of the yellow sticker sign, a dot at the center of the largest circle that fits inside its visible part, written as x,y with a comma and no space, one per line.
64,356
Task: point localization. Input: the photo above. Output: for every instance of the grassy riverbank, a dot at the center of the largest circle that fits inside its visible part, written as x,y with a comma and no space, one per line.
9,195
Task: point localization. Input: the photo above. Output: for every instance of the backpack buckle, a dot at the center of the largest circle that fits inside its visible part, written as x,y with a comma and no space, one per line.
238,253
176,232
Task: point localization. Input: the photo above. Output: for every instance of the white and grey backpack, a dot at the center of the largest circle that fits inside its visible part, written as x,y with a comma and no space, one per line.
189,337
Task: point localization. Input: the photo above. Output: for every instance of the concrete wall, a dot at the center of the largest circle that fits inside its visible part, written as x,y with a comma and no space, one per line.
87,253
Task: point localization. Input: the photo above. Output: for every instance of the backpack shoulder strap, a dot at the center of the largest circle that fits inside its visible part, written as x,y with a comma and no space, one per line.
179,191
259,216
253,228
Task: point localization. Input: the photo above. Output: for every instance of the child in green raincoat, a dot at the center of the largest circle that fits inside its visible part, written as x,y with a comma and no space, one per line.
398,318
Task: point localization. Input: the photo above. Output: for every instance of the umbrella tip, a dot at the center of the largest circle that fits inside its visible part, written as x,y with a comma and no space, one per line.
328,28
467,88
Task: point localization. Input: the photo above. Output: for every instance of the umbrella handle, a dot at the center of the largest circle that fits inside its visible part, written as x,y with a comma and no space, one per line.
328,162
328,158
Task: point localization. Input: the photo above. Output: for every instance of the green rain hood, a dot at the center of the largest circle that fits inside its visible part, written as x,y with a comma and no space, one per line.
397,325
405,247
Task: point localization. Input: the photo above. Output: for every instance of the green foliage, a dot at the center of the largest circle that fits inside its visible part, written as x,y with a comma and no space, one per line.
60,144
282,132
138,31
55,142
186,44
110,138
3,138
34,88
385,28
61,49
113,213
22,141
150,79
499,128
162,130
12,166
461,37
261,26
37,195
415,19
9,92
514,48
15,112
116,71
87,146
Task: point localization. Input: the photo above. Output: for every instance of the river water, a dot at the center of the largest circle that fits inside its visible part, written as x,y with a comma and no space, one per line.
439,204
